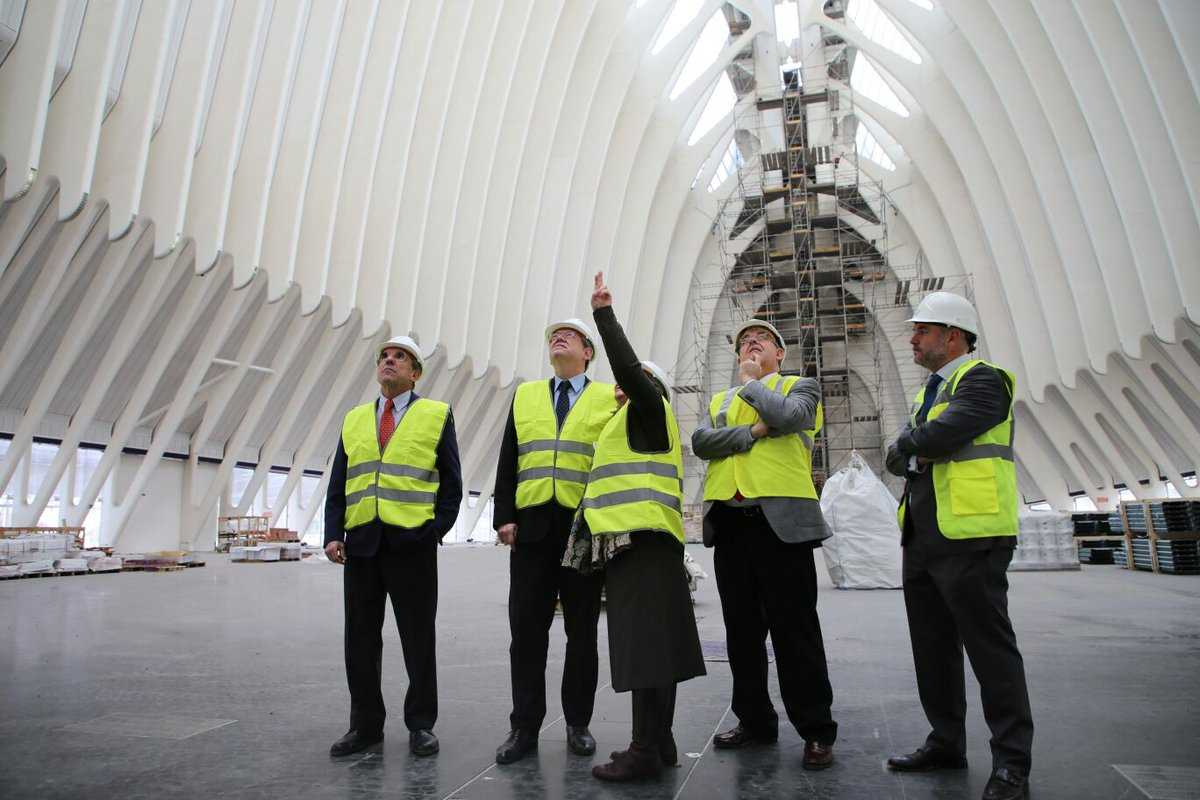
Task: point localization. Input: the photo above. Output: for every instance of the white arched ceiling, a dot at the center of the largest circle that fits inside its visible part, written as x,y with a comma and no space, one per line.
326,173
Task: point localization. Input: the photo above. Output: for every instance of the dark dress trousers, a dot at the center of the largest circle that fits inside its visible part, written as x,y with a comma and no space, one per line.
956,591
385,561
537,580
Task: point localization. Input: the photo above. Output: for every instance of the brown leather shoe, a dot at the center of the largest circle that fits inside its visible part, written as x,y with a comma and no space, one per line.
740,736
817,755
629,765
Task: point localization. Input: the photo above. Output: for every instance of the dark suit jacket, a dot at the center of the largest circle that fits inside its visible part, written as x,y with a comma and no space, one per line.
364,541
980,403
536,522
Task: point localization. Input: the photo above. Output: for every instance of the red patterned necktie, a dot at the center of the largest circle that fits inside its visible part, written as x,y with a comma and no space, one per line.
387,424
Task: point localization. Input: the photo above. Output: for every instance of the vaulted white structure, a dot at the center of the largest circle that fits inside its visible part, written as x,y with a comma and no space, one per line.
213,211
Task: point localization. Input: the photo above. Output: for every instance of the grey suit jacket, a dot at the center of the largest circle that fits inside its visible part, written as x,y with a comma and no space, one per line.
793,519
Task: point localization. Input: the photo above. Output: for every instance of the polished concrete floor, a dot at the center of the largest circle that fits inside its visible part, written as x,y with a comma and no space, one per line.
227,682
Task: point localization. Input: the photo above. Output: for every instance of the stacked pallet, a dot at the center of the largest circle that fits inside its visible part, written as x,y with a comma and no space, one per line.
1161,536
1045,541
162,561
48,553
266,553
1099,536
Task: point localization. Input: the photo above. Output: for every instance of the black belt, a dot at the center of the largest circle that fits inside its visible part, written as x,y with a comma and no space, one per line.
747,511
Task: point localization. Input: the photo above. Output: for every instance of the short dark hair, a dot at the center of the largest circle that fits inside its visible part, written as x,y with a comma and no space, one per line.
971,339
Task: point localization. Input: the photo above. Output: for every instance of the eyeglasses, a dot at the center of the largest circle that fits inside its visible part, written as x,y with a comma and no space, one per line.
752,336
564,334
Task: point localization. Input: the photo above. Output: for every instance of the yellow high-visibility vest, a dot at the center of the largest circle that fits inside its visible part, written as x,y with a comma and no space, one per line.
553,463
776,466
976,487
631,491
399,486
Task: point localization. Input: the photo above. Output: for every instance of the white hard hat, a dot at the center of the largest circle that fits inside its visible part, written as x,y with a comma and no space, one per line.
404,343
759,323
947,308
659,375
575,324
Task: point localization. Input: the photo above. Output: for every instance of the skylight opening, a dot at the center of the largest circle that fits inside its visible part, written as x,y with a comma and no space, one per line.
869,147
683,13
720,103
787,21
879,28
730,163
866,80
712,38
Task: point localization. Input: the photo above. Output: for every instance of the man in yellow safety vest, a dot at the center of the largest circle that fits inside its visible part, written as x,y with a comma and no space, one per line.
545,457
763,517
958,522
394,492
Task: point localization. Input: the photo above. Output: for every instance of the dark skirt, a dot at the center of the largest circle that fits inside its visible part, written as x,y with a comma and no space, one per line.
652,638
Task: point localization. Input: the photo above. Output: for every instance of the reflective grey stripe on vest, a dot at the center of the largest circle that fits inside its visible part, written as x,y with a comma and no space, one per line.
561,445
974,452
804,437
361,494
402,496
395,495
405,471
396,470
635,468
555,473
719,422
365,468
633,496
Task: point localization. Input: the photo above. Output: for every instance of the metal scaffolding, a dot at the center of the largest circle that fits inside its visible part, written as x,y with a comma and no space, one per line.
804,244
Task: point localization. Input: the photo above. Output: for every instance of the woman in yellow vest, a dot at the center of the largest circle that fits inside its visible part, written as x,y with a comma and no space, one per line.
630,525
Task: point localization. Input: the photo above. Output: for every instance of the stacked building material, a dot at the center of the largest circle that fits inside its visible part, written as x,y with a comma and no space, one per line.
1174,557
1045,541
164,561
47,553
256,554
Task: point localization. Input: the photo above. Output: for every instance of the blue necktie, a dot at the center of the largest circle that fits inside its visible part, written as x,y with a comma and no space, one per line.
564,404
931,388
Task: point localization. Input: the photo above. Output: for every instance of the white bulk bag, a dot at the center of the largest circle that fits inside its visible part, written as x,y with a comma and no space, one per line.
864,551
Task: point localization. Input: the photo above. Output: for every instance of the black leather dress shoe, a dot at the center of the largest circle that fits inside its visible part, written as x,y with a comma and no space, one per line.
354,742
924,759
1005,784
518,745
817,755
580,740
423,743
740,736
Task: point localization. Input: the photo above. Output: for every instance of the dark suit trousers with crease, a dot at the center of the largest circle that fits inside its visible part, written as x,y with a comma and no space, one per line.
536,581
770,586
961,601
408,575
